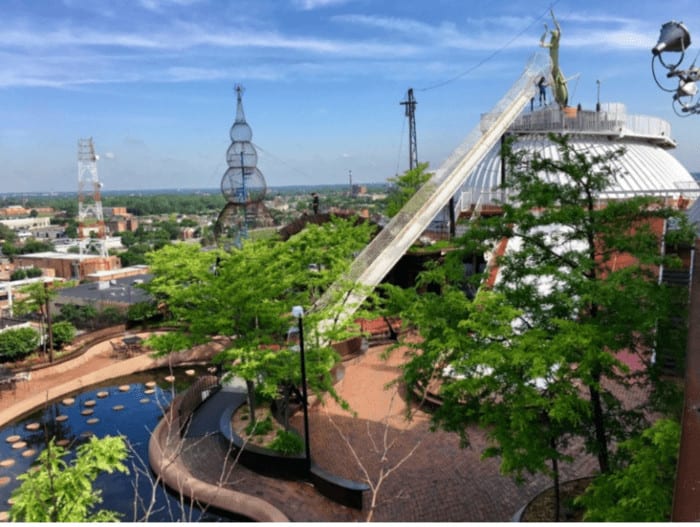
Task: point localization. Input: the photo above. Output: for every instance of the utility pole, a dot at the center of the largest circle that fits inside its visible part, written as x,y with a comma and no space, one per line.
410,104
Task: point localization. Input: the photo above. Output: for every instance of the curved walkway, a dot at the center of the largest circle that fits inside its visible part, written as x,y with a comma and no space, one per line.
431,478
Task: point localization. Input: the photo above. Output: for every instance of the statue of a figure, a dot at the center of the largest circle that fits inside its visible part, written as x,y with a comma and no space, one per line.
561,93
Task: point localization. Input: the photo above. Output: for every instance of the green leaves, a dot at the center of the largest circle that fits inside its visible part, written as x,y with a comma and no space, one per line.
57,491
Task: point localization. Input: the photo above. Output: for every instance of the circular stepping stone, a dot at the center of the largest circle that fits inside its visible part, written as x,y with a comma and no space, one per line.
13,439
102,395
29,452
10,501
7,462
89,403
124,388
170,378
189,372
63,442
149,391
19,444
87,411
5,480
93,421
33,426
4,516
68,401
118,407
61,418
150,384
145,400
87,433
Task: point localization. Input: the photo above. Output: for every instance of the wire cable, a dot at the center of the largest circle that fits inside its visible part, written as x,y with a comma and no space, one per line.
490,56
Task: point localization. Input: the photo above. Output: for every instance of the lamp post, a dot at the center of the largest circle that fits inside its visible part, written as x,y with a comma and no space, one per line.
298,313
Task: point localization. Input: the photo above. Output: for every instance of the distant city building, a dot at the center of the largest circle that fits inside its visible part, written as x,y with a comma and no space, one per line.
118,293
19,224
69,266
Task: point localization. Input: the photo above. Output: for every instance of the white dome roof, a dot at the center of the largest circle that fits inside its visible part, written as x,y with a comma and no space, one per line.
646,168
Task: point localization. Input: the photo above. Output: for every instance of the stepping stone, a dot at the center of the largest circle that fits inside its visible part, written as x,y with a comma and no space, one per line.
89,403
88,411
102,395
19,444
5,480
87,433
61,418
4,516
10,501
150,384
145,400
7,462
13,439
63,442
118,407
170,378
29,452
68,401
149,391
93,421
124,388
189,372
33,426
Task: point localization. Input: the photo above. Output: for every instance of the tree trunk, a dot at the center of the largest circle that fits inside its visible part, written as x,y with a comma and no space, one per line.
555,479
599,424
250,385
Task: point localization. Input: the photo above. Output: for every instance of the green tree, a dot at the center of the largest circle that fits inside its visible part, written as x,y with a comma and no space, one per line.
559,314
59,491
37,299
249,293
63,333
404,187
7,234
80,316
18,342
640,489
32,245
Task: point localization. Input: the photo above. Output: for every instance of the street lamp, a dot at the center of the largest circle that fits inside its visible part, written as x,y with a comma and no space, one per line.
298,313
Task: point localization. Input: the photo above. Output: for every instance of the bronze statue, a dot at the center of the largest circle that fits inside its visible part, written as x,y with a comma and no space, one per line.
561,93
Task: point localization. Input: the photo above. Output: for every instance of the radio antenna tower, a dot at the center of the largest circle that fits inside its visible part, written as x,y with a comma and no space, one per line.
410,104
90,218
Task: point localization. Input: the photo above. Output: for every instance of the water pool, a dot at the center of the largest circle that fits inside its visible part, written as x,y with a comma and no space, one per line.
130,406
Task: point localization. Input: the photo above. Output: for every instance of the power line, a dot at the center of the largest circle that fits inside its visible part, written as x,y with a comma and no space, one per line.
492,55
282,161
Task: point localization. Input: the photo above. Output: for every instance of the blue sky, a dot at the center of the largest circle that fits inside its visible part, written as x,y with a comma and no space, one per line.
152,82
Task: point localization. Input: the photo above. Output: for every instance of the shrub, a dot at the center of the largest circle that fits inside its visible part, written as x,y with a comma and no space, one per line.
287,442
259,428
21,274
18,342
63,333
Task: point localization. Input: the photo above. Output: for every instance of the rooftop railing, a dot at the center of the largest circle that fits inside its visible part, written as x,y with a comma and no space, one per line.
612,119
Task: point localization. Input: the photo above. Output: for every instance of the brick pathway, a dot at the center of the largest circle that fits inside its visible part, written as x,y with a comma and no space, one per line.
438,482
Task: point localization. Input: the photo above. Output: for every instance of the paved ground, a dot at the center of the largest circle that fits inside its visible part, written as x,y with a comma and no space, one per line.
415,474
438,480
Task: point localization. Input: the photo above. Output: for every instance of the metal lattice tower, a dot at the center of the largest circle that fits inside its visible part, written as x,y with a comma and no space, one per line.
410,107
90,218
243,185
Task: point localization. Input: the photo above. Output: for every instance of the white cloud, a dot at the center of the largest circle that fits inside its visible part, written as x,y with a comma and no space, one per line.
309,5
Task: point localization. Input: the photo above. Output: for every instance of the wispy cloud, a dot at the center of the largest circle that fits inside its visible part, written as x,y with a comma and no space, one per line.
309,5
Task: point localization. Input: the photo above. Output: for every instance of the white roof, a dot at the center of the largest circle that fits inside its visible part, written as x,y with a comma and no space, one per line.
646,167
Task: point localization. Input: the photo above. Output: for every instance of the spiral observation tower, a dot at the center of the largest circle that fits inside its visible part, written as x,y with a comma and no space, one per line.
243,185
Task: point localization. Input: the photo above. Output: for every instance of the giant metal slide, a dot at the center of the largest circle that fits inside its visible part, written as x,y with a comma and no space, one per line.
385,250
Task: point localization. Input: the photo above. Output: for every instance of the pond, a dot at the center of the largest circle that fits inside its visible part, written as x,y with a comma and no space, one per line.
130,406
